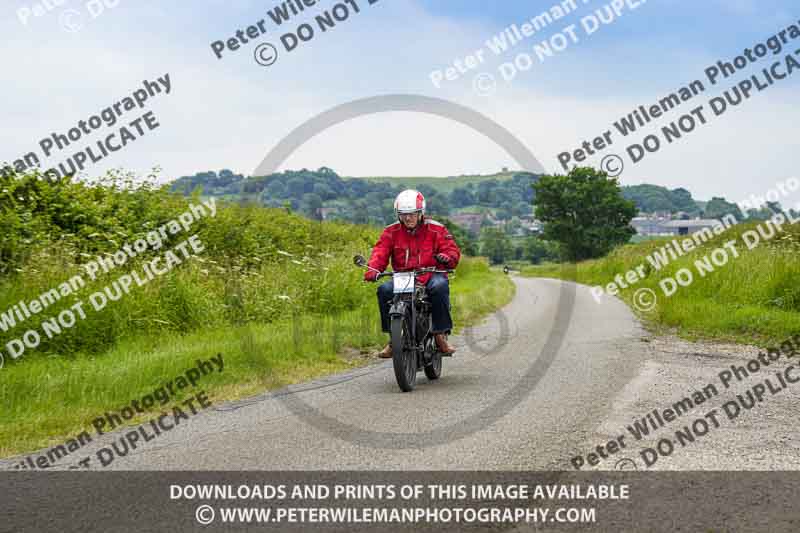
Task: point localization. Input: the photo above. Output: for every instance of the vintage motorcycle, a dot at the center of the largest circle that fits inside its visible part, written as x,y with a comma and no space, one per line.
413,345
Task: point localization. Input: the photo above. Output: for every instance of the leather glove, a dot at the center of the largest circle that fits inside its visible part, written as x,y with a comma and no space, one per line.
371,275
444,259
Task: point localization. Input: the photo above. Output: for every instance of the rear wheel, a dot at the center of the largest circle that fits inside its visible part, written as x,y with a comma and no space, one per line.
405,364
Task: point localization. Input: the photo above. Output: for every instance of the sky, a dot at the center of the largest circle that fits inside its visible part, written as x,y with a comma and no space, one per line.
70,62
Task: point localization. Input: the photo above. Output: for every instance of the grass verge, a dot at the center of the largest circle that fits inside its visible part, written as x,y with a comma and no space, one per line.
753,298
49,399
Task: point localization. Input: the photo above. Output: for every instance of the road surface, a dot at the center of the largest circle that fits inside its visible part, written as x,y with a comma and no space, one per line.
550,377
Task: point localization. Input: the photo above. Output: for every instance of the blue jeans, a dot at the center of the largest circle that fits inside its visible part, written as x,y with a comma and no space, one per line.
438,289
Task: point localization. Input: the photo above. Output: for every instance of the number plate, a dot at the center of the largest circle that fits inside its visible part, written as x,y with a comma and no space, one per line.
403,282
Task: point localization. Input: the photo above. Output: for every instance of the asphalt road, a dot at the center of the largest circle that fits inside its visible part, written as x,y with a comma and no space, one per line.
551,376
497,405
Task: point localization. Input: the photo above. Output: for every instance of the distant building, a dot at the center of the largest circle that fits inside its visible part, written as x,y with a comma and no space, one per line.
530,225
324,212
688,227
651,225
469,222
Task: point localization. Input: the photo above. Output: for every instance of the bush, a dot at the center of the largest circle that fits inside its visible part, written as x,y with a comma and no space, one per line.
258,265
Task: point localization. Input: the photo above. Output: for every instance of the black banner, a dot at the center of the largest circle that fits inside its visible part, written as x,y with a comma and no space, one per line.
400,501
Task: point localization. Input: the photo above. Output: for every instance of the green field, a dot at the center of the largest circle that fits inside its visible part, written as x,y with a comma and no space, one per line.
636,239
444,184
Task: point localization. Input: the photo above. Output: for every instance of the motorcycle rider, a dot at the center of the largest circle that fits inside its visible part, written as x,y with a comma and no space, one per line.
416,242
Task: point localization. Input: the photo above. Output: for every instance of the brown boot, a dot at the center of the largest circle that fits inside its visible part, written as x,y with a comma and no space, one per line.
386,353
441,344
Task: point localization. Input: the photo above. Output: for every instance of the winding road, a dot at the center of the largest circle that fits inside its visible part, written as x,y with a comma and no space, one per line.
522,392
550,377
550,381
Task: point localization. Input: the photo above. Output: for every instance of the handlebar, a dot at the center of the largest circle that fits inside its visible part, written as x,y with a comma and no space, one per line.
418,271
360,261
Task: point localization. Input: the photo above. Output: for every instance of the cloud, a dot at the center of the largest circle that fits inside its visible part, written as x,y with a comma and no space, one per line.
228,113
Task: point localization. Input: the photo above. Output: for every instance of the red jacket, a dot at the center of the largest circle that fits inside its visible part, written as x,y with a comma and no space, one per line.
409,251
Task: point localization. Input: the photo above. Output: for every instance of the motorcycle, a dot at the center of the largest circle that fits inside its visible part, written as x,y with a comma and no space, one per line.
410,319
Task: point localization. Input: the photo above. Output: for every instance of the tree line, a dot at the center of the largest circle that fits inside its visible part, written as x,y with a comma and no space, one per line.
360,201
585,213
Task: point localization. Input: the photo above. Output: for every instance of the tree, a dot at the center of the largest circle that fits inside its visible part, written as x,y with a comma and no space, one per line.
651,198
775,207
360,212
311,205
503,213
763,213
537,250
584,211
275,189
682,201
495,245
717,208
295,187
513,226
521,209
324,191
486,192
461,197
428,191
439,208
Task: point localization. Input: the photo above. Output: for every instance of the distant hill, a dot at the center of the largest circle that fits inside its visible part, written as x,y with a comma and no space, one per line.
652,198
444,184
323,194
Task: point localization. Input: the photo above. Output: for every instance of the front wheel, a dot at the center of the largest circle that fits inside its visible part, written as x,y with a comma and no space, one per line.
403,357
433,370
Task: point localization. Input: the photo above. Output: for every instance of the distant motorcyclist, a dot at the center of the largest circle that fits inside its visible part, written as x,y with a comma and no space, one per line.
416,242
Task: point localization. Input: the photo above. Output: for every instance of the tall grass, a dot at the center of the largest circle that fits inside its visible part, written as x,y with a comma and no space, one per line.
477,291
49,398
258,265
275,293
754,298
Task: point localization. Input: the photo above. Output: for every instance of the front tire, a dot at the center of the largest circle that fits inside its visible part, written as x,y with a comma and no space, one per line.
433,370
405,364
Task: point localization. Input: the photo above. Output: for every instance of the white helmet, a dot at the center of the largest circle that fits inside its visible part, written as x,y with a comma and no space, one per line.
409,201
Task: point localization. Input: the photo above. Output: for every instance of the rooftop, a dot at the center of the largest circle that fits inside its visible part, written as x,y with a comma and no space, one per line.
697,223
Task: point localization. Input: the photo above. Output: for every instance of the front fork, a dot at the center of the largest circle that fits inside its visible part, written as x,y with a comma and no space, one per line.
399,309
